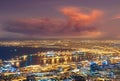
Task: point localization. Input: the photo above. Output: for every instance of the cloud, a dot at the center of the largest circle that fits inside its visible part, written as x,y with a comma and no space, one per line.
77,16
76,24
111,28
116,16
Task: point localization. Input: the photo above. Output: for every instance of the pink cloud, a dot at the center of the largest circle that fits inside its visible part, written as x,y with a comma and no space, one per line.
77,24
77,16
116,16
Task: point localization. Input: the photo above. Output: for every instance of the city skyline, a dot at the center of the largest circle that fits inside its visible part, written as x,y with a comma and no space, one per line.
28,19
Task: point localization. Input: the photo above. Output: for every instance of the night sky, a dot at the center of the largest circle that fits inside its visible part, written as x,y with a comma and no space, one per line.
35,19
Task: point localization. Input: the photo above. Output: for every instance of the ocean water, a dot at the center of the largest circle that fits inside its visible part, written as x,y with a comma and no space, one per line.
9,52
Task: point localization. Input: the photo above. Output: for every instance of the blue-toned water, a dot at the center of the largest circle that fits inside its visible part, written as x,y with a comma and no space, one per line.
9,52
